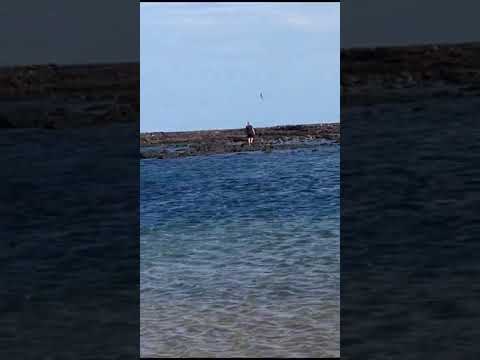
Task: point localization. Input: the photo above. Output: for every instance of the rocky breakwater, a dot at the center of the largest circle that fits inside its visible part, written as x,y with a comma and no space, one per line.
52,96
180,144
409,74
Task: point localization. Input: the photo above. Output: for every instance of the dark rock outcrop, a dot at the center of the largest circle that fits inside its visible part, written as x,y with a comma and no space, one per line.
89,95
407,73
181,144
5,123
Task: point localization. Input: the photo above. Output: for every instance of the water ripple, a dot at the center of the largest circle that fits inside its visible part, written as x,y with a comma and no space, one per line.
240,255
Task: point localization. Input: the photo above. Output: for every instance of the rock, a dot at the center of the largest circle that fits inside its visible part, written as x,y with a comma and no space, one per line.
5,123
231,141
393,70
50,124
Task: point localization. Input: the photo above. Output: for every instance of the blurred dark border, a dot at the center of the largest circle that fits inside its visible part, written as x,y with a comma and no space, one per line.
69,219
410,192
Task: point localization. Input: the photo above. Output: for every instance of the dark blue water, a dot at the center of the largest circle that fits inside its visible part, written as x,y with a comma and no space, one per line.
240,254
69,250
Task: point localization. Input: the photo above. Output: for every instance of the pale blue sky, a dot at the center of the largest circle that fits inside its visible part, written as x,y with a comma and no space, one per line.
203,65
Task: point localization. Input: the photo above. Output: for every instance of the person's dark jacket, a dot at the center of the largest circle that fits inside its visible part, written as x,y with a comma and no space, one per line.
249,130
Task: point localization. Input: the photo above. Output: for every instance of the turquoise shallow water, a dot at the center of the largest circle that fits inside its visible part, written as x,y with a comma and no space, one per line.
240,254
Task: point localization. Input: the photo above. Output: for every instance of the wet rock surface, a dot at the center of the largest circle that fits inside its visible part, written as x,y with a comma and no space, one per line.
53,97
164,145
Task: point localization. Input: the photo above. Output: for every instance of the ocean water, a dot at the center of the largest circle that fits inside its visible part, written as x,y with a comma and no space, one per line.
410,230
70,248
240,254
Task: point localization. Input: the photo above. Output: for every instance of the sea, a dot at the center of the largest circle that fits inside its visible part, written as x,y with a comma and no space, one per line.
240,254
70,243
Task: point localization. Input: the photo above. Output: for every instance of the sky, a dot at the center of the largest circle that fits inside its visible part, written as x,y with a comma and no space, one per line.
76,32
204,65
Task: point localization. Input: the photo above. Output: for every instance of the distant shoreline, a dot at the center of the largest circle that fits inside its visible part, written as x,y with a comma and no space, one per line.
55,96
69,96
409,74
165,145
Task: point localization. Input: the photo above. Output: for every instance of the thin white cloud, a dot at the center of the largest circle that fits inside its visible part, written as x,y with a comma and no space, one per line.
299,20
311,17
312,23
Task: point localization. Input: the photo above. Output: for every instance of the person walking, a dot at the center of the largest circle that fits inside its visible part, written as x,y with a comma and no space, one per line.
250,133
